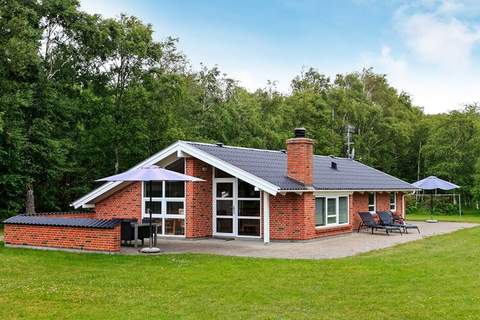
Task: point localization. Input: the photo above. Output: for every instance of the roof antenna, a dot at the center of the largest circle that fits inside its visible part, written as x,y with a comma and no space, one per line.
350,143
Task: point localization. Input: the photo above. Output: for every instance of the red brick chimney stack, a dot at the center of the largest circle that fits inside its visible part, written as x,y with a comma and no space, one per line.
300,157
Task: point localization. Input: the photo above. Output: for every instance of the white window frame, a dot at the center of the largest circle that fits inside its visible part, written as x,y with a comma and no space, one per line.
394,203
337,210
163,215
235,215
374,202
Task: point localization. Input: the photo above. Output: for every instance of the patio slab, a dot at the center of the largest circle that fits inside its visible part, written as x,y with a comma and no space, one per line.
326,248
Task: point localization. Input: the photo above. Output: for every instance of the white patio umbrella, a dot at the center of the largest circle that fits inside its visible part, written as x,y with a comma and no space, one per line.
149,174
433,183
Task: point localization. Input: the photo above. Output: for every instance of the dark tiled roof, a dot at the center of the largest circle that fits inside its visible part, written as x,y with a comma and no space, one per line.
62,222
272,166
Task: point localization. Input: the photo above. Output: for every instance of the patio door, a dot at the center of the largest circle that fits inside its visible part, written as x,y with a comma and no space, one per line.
236,211
224,212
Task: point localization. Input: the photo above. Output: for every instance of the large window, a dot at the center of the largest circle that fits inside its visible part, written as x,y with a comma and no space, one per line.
331,210
372,206
168,203
248,210
393,201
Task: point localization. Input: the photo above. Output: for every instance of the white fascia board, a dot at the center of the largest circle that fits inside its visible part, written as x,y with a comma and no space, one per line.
344,190
227,167
181,148
110,185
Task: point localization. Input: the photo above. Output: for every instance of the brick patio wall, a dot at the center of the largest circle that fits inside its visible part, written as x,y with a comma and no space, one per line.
123,204
93,239
198,200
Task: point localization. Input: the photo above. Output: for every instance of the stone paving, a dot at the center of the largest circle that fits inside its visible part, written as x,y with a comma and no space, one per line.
326,248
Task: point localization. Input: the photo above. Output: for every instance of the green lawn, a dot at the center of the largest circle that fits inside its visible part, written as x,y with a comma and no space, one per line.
467,217
436,278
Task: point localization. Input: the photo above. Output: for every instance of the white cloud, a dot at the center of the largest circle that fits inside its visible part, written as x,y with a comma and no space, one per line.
437,91
435,59
451,7
445,42
392,65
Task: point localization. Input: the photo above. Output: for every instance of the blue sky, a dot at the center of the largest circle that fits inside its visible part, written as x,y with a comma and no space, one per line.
429,48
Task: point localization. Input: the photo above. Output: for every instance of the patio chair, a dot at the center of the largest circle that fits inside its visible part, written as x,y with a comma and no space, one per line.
127,230
369,222
387,219
144,230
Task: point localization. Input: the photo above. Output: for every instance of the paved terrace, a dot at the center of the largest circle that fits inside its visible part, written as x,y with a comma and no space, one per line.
326,248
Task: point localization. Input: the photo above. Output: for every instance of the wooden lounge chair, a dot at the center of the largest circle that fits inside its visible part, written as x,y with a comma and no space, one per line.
386,219
369,222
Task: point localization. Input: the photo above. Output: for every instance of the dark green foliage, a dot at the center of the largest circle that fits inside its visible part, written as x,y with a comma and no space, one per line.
83,97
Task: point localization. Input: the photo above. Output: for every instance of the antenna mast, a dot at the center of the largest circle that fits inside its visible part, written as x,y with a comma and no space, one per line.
350,143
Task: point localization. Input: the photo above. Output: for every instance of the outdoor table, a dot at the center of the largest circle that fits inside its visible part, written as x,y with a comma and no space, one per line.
145,225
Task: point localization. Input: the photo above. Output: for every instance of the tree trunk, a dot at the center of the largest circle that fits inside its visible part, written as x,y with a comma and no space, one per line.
418,160
30,200
117,161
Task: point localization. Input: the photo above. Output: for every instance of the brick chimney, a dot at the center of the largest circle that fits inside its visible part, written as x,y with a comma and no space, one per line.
300,157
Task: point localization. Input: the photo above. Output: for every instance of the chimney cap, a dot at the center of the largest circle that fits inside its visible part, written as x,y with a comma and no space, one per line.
219,144
299,132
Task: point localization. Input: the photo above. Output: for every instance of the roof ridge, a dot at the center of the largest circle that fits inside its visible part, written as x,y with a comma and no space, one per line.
231,147
333,157
256,149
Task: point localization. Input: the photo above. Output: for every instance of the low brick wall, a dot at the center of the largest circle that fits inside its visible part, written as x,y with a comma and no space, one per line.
94,239
333,231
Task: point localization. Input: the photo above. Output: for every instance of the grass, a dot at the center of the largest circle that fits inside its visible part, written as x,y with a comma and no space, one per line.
468,215
435,278
451,218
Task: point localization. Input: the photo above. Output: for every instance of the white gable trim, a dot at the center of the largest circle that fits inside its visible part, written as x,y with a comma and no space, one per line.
110,185
181,148
227,167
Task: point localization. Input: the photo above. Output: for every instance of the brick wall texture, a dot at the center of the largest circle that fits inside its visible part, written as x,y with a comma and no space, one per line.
198,199
292,216
123,204
63,237
300,160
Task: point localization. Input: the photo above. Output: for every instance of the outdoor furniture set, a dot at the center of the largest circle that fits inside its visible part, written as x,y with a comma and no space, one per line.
133,231
387,221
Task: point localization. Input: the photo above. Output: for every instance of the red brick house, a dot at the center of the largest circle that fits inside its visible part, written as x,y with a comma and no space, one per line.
289,194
